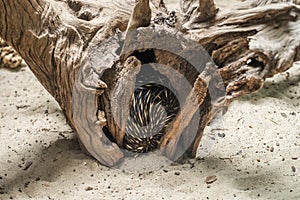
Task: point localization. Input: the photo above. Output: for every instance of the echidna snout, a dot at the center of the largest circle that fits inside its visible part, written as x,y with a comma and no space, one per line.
153,108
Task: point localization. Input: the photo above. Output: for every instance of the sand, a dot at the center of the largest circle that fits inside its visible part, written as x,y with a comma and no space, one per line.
255,153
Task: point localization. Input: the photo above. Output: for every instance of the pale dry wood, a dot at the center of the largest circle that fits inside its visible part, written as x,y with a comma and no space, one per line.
117,98
73,46
141,15
197,11
53,38
171,140
251,44
159,5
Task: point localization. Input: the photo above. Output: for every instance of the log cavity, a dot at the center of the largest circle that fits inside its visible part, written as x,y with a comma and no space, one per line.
154,93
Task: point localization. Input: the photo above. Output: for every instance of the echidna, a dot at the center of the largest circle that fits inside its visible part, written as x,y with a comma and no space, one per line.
153,107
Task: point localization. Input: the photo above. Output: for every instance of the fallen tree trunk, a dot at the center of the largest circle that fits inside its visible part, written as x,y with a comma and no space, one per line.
89,54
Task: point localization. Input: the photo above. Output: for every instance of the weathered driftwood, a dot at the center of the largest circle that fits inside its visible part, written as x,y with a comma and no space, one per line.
72,48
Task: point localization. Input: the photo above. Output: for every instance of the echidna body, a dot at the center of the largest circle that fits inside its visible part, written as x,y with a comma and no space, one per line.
153,107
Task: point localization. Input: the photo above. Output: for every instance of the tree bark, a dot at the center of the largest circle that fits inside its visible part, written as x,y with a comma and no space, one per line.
61,42
53,37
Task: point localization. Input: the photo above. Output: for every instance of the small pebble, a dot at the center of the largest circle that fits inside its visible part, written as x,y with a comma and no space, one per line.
88,188
293,168
210,179
26,184
177,173
283,115
27,165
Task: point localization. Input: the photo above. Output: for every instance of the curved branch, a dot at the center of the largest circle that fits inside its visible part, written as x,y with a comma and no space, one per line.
53,38
197,11
141,15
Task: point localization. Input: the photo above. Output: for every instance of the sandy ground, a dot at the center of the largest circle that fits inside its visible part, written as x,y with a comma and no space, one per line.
255,156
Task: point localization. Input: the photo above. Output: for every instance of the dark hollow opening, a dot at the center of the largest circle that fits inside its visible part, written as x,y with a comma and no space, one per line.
145,57
155,102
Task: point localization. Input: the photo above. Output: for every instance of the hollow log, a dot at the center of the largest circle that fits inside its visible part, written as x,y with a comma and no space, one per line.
88,54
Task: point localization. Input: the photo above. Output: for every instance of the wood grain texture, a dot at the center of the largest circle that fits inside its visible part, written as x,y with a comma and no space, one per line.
53,38
73,48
